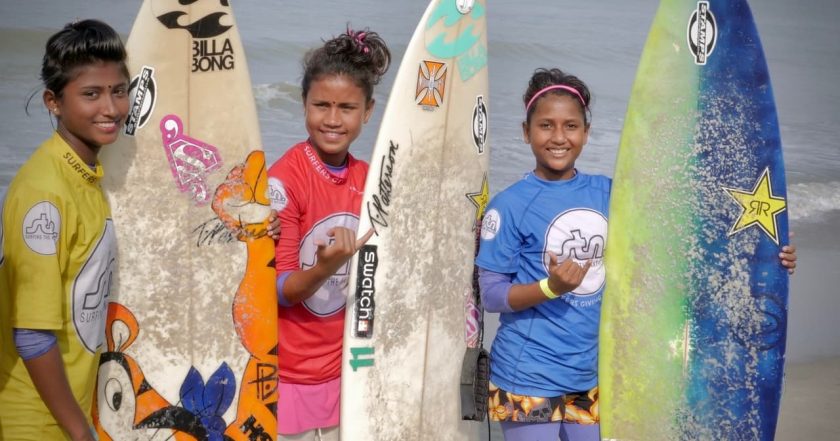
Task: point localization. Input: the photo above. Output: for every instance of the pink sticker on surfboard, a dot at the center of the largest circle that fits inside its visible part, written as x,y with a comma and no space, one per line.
190,160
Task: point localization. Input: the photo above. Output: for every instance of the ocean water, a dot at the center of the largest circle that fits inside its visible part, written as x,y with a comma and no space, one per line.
598,41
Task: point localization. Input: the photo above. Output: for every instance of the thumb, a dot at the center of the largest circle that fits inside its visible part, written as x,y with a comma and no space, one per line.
552,260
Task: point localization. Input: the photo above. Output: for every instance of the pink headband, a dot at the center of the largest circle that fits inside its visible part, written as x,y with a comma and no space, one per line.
554,87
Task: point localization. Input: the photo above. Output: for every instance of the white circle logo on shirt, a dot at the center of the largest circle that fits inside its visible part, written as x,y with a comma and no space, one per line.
277,194
490,224
92,288
40,228
580,235
332,295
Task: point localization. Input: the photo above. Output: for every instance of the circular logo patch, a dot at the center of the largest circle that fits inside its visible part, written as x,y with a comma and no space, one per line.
580,235
277,194
464,6
490,224
40,228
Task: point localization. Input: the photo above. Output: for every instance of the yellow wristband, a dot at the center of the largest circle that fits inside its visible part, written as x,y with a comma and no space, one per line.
547,290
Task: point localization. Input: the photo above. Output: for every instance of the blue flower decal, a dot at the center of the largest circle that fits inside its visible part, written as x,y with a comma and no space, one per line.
209,401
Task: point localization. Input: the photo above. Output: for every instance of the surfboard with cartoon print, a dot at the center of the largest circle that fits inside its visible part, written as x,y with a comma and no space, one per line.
411,312
191,331
695,310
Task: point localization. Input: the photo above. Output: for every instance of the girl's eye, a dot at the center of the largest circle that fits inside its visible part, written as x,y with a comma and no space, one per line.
91,94
120,91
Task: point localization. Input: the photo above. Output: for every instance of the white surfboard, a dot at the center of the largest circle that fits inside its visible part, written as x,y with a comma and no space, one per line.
192,331
410,311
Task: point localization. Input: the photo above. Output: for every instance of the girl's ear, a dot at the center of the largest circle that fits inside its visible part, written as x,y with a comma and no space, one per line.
51,102
369,109
525,136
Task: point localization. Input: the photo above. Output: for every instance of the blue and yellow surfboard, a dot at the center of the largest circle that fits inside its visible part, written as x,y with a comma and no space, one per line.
695,312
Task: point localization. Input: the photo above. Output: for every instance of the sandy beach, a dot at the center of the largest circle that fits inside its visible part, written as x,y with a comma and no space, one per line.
811,401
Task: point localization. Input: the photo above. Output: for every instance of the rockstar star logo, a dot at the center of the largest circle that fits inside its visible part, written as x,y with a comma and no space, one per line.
758,207
480,200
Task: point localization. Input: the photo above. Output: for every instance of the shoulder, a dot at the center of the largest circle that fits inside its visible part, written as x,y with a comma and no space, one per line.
38,178
518,195
354,164
597,182
290,160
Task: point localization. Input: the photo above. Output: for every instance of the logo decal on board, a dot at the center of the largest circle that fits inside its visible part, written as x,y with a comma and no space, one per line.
365,292
361,357
479,124
40,228
472,322
759,207
464,6
702,32
209,53
579,234
381,200
431,84
142,96
455,29
190,160
480,200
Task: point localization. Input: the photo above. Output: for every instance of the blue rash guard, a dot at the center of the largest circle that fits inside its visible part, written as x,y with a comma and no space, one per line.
549,349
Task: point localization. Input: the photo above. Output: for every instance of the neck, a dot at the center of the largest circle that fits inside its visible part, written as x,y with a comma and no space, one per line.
87,153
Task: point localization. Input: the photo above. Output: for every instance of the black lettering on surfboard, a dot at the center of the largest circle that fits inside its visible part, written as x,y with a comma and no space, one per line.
365,292
378,207
479,124
143,94
212,55
254,431
702,32
212,232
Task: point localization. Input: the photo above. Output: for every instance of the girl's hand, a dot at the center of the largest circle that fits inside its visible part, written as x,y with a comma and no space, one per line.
788,258
273,229
341,247
565,276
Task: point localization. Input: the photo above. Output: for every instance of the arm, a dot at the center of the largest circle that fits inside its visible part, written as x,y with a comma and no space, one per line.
50,379
302,284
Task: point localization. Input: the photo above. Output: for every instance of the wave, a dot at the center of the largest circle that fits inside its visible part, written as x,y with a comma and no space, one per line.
277,96
813,201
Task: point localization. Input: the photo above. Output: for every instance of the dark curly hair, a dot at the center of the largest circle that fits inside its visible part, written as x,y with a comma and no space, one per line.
361,55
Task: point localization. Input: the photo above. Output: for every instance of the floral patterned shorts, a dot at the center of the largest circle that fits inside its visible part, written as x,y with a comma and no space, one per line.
574,408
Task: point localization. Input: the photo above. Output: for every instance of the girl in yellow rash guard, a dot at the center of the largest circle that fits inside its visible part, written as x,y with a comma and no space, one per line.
58,243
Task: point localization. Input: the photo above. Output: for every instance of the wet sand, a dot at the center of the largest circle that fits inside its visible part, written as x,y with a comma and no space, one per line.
811,401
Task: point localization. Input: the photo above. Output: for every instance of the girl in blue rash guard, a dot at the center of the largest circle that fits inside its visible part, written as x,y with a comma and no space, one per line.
541,266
